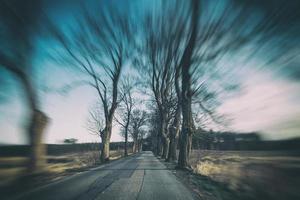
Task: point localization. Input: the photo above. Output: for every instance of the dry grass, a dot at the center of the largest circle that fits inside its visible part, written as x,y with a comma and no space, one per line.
57,166
254,175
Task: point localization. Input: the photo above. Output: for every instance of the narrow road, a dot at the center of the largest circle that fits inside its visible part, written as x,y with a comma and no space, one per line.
141,177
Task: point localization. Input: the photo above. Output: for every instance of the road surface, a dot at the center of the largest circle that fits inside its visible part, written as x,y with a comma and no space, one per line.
141,177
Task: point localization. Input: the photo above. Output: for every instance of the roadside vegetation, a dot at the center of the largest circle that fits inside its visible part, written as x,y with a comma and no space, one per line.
247,174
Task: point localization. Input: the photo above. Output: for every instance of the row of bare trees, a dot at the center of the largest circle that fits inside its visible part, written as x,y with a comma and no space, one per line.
182,59
168,56
179,50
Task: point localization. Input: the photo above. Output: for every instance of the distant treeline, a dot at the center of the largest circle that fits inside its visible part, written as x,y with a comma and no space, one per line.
201,140
59,149
240,141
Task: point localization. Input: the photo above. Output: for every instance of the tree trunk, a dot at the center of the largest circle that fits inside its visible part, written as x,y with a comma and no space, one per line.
190,140
172,146
105,143
141,145
105,150
37,157
187,131
153,146
37,125
183,158
164,137
126,141
135,145
158,145
165,142
174,132
187,122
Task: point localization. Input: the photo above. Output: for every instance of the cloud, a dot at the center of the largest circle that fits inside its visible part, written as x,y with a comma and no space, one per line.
263,104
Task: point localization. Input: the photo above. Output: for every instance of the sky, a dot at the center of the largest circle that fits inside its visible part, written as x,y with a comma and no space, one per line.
267,102
264,104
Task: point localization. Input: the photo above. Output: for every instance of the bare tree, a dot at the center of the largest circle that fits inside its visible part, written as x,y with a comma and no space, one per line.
95,122
161,54
19,27
98,47
210,40
138,120
186,88
125,109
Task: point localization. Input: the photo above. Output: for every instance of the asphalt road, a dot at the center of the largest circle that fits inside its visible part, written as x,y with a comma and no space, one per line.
141,177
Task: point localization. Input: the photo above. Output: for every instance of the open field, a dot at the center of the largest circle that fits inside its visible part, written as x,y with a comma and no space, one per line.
249,174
